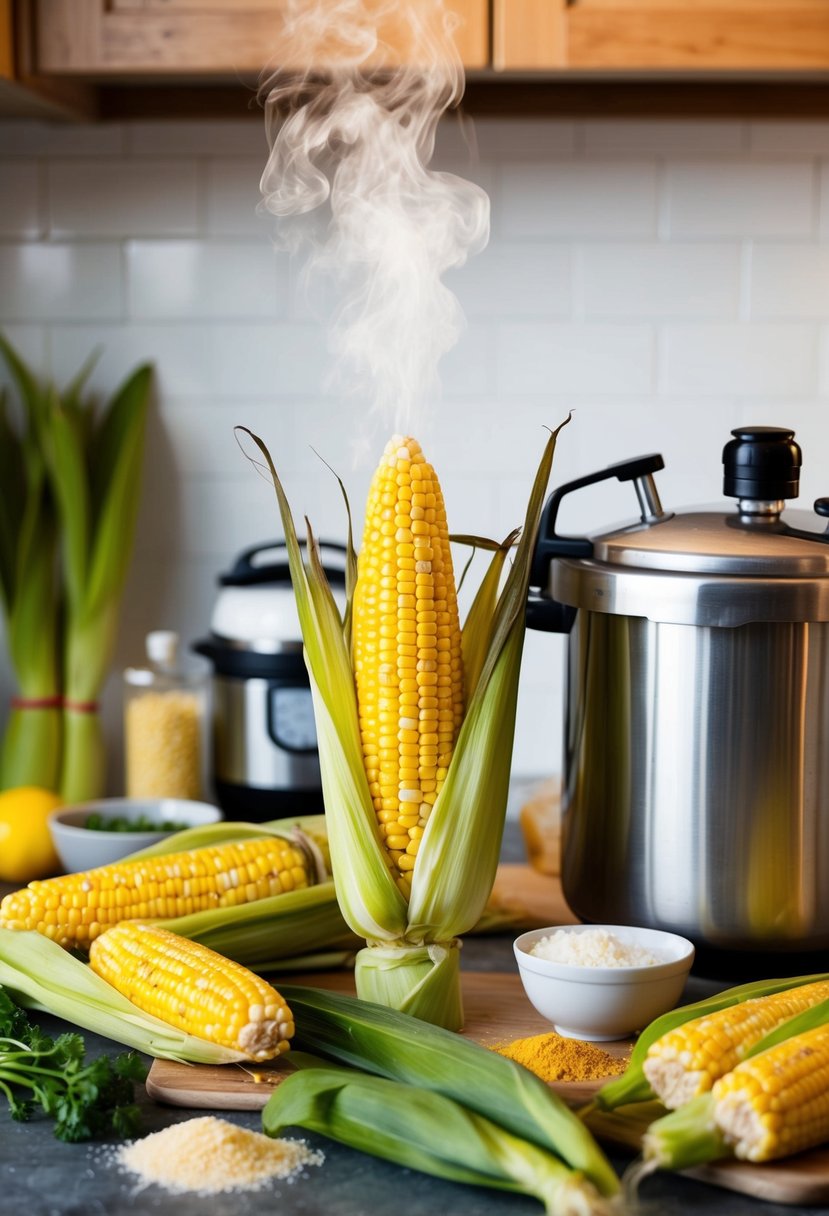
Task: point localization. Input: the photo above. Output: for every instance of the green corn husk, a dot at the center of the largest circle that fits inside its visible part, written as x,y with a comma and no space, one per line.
458,855
298,930
633,1086
70,483
425,1131
29,587
96,474
38,974
391,1044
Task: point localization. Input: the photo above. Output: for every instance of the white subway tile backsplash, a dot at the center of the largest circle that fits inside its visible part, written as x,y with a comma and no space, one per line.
205,279
202,433
517,280
735,199
55,282
576,359
659,280
789,281
60,139
182,355
230,137
20,211
233,198
789,138
94,198
666,279
574,199
767,360
536,139
667,137
254,359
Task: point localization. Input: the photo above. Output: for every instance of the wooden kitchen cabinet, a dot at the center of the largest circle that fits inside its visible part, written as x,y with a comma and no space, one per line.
187,39
632,36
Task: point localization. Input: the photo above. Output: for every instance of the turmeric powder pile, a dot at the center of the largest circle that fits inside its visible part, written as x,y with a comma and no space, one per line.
555,1058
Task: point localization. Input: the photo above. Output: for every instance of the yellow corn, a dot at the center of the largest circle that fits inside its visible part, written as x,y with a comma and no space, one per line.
407,650
777,1102
688,1060
194,989
77,908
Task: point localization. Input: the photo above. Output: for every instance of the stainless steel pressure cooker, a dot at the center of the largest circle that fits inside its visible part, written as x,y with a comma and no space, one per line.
265,756
696,749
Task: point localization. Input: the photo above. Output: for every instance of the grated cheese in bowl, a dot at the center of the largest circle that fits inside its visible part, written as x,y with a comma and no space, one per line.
592,948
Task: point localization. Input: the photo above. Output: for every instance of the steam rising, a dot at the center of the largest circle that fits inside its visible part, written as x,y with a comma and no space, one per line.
354,147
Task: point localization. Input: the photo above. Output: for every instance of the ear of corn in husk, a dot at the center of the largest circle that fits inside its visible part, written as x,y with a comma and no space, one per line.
411,901
394,1045
425,1131
41,975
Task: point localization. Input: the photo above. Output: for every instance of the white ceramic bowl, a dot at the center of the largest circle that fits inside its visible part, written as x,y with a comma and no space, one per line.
80,848
603,1003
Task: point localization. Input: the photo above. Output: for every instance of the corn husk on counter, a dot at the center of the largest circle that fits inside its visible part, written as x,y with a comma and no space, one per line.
415,723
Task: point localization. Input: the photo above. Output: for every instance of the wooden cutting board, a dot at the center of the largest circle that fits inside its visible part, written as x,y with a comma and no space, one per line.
496,1011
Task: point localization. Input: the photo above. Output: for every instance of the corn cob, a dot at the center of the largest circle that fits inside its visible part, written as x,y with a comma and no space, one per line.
771,1105
633,1086
777,1103
194,989
411,884
688,1060
407,650
76,909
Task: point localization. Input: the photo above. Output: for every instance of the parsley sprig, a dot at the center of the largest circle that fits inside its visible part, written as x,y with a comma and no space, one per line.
86,1100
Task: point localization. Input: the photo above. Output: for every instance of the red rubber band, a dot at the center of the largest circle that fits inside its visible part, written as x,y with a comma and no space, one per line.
37,702
81,707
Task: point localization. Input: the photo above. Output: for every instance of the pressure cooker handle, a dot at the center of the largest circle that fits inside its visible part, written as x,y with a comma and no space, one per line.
542,611
246,573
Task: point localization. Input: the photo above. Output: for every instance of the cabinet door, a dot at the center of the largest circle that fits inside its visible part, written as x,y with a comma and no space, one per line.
207,39
686,35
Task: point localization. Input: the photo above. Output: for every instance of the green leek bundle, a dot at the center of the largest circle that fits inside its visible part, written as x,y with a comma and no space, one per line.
75,475
415,725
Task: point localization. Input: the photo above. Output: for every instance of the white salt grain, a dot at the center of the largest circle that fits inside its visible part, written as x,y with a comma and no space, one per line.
592,948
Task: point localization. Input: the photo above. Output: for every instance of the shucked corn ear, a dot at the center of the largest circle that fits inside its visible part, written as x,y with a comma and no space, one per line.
633,1086
688,1060
449,847
772,1105
426,1131
406,641
77,908
194,989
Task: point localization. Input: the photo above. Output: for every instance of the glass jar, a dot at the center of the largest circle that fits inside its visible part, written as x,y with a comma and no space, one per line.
165,724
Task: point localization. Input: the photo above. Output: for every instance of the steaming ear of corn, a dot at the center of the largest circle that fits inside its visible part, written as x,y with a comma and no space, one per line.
414,847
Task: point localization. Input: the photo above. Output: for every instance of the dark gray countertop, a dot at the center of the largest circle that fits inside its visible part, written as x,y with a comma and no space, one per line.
40,1176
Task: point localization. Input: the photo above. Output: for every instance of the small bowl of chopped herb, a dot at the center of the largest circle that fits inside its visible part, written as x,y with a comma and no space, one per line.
96,833
602,982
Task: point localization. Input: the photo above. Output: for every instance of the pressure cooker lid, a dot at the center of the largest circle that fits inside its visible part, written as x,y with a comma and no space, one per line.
752,562
256,609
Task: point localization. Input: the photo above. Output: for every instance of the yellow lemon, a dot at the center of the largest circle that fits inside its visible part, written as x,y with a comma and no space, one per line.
26,849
